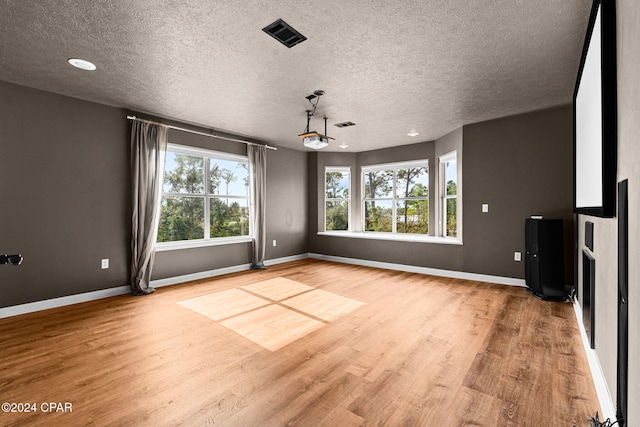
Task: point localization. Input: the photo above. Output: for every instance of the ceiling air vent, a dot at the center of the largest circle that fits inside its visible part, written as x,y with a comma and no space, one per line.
344,124
284,33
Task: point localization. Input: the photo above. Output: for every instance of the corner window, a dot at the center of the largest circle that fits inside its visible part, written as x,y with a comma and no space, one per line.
396,198
337,182
205,196
449,194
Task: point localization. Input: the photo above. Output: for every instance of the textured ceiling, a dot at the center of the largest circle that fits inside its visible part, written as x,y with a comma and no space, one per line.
391,67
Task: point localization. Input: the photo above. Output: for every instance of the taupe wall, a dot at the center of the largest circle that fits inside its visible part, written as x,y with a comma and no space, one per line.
519,165
605,230
65,199
64,169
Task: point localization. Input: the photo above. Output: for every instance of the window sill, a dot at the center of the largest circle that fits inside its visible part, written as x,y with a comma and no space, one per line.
395,237
190,244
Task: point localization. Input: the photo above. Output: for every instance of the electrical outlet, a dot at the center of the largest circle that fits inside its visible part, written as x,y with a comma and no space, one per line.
485,207
517,256
274,242
105,263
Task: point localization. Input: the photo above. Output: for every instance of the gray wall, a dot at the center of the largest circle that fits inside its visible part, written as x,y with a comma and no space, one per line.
70,204
287,204
519,165
64,198
606,230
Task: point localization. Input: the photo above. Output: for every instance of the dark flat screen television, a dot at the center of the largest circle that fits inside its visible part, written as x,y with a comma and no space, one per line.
595,116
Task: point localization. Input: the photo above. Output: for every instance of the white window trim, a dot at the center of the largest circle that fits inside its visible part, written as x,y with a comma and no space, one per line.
200,243
443,197
204,152
207,241
396,165
349,203
401,237
390,166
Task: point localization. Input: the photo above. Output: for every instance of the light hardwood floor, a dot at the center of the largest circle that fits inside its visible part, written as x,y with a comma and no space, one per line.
420,351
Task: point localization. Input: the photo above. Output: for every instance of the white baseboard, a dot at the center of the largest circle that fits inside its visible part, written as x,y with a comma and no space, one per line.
285,259
62,301
197,276
220,271
122,290
607,408
423,270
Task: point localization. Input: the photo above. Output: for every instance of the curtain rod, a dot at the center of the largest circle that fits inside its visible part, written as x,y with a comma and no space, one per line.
210,135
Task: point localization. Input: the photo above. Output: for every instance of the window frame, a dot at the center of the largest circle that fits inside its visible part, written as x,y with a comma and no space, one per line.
332,199
206,154
394,197
443,197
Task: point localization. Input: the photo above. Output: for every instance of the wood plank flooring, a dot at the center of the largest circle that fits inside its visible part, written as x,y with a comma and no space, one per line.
421,351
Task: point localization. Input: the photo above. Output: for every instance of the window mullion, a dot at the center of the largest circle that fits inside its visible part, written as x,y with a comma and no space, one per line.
397,196
443,207
349,202
207,203
337,202
326,199
443,203
447,161
235,224
394,203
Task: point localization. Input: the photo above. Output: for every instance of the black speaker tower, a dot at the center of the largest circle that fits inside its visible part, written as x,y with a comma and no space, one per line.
544,258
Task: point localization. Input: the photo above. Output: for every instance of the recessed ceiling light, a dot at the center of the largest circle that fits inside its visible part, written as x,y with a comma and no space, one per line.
82,64
413,133
343,146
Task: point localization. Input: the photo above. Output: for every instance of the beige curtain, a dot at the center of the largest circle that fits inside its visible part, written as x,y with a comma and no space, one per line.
148,149
258,164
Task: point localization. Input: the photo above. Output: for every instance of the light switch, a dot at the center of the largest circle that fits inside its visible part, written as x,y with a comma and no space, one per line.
485,207
105,263
517,256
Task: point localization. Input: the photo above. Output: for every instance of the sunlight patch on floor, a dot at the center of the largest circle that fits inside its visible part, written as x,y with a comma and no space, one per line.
274,312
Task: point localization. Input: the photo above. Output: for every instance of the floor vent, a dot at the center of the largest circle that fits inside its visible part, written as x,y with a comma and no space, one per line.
284,33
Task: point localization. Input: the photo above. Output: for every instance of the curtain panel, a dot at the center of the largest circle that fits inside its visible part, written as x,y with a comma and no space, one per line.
148,150
258,164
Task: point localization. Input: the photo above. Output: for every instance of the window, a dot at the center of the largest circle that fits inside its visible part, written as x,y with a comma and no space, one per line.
205,196
336,198
449,194
396,198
